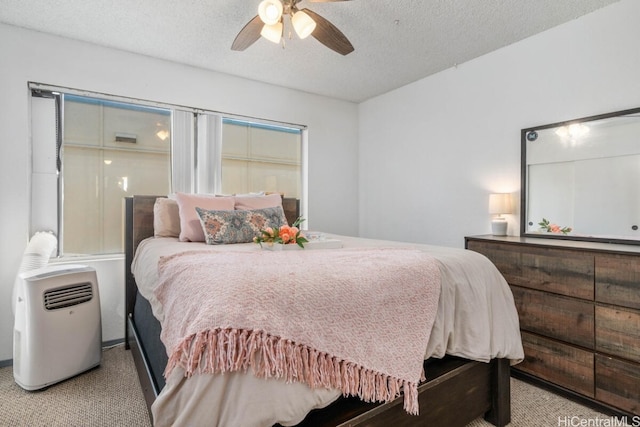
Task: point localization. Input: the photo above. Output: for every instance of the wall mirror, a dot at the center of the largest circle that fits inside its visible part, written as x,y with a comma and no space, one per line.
581,179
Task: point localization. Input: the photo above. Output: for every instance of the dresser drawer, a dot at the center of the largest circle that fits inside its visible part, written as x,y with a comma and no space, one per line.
618,280
559,363
618,383
555,316
618,332
559,271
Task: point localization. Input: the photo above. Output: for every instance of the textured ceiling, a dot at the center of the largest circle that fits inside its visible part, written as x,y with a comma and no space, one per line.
396,41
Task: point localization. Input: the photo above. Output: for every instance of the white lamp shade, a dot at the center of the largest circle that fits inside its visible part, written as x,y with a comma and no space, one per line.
273,33
303,24
270,11
500,203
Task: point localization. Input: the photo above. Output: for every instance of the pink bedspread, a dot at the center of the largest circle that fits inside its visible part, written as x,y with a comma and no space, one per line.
357,320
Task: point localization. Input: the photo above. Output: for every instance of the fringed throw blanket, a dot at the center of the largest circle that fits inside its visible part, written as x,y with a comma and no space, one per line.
357,320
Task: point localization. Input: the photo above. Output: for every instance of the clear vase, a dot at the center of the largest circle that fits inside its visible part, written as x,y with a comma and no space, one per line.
270,246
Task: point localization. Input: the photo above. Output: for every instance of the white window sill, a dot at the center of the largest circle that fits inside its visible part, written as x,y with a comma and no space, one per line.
71,258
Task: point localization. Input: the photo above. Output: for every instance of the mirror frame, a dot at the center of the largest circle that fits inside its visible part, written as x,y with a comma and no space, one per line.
524,183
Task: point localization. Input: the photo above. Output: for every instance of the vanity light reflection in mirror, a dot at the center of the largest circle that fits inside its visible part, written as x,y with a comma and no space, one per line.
573,132
581,179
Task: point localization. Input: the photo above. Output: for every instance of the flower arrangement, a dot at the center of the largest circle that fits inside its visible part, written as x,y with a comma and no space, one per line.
553,228
285,235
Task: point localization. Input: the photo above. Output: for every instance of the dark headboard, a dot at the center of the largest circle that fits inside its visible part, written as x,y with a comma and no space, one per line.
138,226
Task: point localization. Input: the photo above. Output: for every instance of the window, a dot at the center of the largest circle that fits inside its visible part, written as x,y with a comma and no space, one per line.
109,150
88,154
90,151
257,157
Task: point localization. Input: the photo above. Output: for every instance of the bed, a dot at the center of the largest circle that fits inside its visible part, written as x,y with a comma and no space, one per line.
459,384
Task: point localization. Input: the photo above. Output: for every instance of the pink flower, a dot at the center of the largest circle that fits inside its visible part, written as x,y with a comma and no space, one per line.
554,228
285,234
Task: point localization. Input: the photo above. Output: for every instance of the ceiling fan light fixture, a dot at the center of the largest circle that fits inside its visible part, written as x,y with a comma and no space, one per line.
303,24
269,23
270,11
273,33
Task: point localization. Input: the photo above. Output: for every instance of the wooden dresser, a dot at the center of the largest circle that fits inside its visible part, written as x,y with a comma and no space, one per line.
579,308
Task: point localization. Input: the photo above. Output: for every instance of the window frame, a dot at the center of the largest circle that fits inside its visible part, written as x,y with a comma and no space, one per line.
191,158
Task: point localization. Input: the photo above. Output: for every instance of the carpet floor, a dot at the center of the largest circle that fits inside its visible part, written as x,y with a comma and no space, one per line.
110,396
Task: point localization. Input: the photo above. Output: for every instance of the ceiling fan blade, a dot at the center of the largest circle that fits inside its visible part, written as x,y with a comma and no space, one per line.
329,35
248,35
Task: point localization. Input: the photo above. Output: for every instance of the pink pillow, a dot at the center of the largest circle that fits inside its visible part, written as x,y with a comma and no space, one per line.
244,203
190,227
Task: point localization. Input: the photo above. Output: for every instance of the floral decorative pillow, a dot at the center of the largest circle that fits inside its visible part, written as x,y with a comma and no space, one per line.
239,226
190,230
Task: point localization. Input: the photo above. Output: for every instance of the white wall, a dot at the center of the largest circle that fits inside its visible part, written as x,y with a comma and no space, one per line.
32,56
431,152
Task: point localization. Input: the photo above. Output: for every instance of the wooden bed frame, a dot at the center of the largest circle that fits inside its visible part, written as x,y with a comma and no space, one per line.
456,392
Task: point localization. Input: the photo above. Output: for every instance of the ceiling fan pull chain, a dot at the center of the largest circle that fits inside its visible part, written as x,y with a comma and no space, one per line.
289,26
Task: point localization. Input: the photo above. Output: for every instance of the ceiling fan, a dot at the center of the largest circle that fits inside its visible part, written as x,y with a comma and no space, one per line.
269,24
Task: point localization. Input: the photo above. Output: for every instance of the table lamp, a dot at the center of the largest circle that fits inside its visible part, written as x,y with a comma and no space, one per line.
499,204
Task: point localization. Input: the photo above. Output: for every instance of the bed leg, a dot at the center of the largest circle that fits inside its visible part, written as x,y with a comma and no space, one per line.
500,413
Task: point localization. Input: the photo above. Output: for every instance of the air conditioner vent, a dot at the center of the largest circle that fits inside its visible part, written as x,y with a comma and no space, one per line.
68,296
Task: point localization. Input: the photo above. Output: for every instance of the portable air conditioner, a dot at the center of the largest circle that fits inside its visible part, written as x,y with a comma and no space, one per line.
57,330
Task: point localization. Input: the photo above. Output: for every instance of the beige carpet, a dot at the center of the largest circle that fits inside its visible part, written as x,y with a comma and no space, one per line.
110,396
534,407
